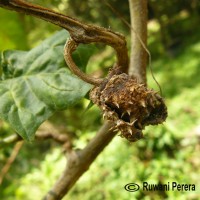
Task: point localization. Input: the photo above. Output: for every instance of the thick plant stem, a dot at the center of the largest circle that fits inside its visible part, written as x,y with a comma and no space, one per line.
79,162
138,59
79,32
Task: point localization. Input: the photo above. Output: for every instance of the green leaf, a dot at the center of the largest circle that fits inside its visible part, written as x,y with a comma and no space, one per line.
35,84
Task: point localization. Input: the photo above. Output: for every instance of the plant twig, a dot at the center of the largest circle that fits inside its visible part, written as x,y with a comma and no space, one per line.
62,139
79,162
10,160
138,58
10,139
40,135
80,32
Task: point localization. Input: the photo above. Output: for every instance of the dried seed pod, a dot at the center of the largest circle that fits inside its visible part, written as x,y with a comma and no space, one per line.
130,105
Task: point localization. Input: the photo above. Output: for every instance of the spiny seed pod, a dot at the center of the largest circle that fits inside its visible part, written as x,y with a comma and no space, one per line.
129,105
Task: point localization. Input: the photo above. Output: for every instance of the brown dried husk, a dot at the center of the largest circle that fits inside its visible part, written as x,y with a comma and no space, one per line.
128,104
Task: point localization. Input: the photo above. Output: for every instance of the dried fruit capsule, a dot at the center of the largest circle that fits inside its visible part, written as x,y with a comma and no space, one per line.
129,104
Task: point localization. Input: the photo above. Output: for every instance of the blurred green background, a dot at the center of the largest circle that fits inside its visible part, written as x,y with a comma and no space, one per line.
169,152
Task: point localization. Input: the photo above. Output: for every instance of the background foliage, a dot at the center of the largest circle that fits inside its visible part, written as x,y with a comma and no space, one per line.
169,152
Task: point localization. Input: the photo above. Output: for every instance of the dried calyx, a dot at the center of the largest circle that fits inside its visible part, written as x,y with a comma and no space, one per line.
129,105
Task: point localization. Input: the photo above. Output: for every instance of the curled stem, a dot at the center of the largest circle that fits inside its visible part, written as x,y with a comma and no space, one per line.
71,46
